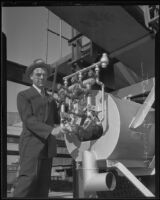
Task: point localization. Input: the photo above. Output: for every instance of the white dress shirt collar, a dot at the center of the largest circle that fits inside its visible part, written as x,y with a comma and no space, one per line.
38,89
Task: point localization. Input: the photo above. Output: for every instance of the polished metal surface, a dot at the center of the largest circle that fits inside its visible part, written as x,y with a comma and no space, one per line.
118,142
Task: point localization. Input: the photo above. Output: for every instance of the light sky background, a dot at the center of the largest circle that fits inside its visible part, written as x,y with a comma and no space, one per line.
26,32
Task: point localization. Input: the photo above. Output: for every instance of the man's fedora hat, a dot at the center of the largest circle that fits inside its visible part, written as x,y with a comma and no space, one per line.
38,63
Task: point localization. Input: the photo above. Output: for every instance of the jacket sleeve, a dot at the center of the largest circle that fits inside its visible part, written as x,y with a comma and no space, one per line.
31,122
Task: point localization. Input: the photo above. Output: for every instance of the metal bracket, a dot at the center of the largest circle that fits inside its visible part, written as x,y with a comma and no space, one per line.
144,109
130,177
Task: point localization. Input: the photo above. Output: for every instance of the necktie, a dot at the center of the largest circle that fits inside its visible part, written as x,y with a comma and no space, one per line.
45,101
43,93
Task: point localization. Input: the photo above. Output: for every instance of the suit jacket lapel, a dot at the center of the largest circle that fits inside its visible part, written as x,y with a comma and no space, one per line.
45,100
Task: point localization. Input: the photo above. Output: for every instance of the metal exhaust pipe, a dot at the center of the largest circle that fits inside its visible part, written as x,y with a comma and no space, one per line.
93,180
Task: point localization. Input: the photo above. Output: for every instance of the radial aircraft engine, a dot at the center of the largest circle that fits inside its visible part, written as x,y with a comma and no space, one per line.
106,131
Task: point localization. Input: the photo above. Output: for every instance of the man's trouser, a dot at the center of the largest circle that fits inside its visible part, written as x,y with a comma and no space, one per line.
34,177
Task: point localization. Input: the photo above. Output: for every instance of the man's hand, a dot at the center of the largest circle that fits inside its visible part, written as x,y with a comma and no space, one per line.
58,130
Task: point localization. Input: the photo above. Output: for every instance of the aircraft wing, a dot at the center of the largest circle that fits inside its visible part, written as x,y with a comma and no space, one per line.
115,30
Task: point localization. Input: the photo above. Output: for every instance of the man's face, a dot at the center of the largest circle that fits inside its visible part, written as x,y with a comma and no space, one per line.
39,77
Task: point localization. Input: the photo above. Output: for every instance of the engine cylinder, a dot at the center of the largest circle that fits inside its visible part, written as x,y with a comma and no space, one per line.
118,141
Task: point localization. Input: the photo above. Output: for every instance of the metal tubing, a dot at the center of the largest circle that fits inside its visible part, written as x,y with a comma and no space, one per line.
89,100
86,82
102,92
62,108
104,61
82,70
88,104
94,181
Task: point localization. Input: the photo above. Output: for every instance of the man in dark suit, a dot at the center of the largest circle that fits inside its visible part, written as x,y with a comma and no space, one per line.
37,147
